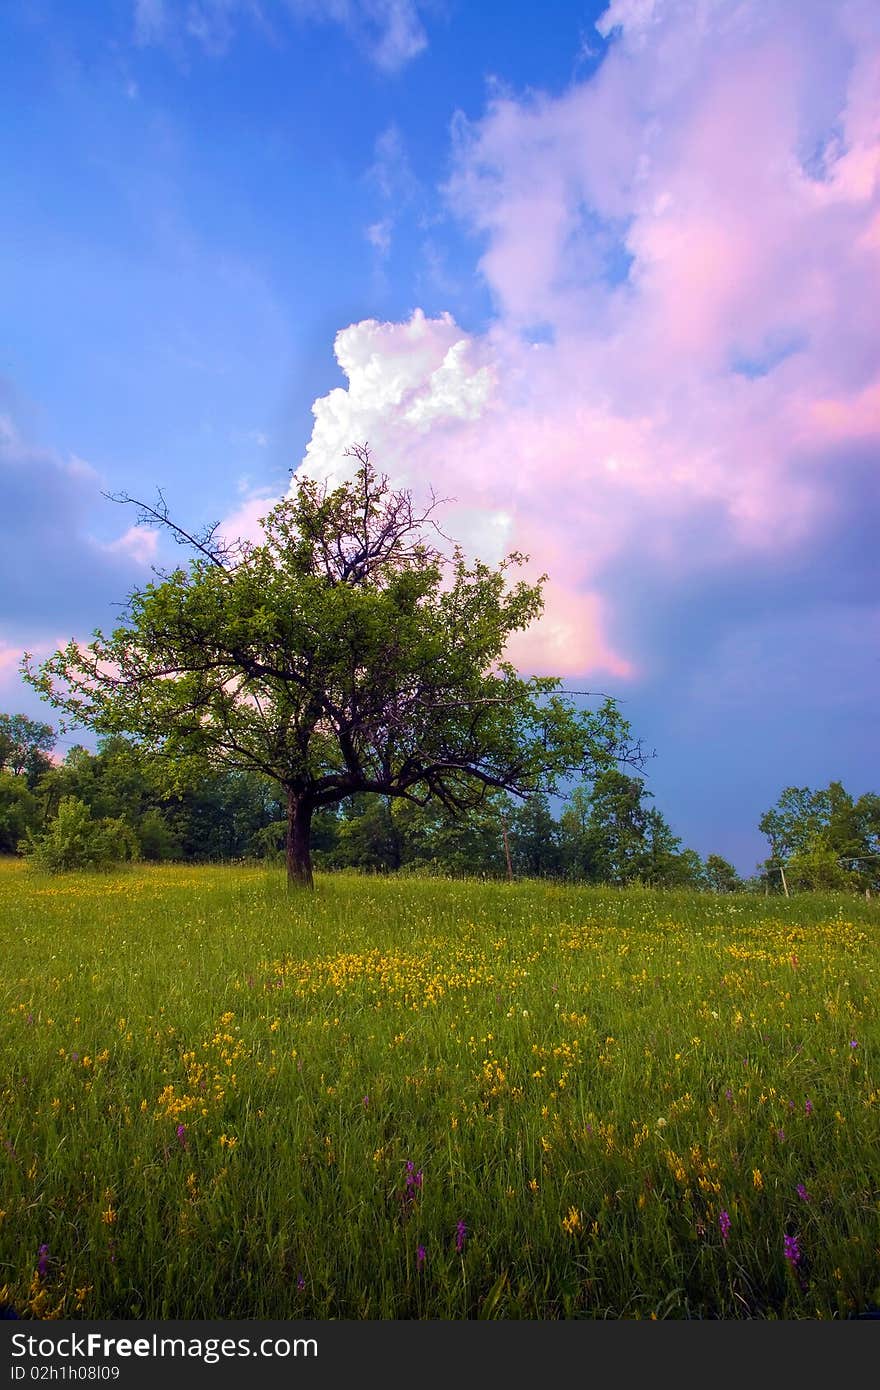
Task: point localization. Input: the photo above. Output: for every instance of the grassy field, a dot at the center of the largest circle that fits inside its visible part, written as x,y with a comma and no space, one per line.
427,1099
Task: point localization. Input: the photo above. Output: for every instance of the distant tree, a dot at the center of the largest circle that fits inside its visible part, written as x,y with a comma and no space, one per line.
438,840
824,838
721,876
577,844
534,839
368,836
617,826
156,840
662,862
798,815
344,654
609,833
19,812
25,745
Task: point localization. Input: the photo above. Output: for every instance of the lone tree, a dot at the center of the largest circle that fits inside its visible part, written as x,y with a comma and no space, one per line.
345,653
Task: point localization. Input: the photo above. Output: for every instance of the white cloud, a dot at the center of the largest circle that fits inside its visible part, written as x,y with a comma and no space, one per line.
389,31
404,378
378,234
137,543
706,384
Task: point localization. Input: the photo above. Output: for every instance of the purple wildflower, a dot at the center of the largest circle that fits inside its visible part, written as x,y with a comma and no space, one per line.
802,1192
43,1261
728,1094
413,1179
792,1250
365,1102
808,1107
724,1223
460,1236
853,1042
421,1256
181,1136
300,1282
780,1135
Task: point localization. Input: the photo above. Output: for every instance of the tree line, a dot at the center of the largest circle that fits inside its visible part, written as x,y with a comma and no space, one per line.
91,810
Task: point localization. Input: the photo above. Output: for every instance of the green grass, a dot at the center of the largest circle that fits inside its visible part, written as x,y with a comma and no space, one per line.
586,1079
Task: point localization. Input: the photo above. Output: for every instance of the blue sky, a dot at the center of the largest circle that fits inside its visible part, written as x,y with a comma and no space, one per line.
614,289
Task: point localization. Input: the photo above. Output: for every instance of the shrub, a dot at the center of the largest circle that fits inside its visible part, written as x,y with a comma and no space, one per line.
157,840
75,840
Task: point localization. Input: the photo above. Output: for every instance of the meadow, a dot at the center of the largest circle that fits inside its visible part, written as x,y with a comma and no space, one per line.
412,1098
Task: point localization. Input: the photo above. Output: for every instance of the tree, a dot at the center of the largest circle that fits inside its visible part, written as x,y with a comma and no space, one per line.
663,863
825,839
345,653
798,815
721,876
577,841
19,812
25,745
368,836
817,866
534,839
617,827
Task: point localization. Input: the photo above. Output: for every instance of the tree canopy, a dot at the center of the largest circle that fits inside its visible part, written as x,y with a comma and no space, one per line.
25,745
347,652
825,838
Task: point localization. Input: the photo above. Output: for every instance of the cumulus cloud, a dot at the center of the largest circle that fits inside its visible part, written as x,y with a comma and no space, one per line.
405,379
681,385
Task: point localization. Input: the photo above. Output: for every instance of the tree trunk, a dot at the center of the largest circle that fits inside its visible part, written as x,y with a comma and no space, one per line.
299,836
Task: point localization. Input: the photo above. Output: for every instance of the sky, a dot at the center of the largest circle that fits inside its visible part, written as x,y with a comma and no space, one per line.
606,276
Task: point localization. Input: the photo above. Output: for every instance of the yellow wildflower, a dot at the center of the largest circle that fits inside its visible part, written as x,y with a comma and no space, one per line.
573,1222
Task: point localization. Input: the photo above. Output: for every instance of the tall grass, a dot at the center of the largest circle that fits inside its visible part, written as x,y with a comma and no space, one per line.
426,1099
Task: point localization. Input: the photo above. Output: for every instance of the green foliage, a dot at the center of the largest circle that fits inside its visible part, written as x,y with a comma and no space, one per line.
534,839
19,812
75,840
24,747
344,654
156,839
824,838
721,876
609,834
367,836
816,866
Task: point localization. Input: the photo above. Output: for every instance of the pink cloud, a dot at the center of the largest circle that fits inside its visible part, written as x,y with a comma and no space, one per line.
694,231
